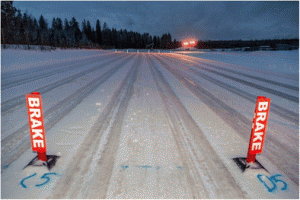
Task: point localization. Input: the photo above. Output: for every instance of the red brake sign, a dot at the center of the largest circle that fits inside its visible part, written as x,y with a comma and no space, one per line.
259,125
36,122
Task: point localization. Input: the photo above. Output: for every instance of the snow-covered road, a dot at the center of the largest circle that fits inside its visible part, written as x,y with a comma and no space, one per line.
139,125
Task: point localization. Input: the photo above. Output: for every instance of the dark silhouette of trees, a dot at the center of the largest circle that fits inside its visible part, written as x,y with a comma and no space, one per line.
165,41
251,44
8,20
75,32
88,31
43,31
56,32
114,37
106,35
25,29
98,33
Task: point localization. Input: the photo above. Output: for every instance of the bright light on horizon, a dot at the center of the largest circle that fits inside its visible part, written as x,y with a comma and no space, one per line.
189,42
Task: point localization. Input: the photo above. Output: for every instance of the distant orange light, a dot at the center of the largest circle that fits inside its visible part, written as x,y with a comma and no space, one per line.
185,43
192,42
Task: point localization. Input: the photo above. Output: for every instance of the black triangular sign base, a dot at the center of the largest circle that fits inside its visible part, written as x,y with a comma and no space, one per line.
50,163
243,165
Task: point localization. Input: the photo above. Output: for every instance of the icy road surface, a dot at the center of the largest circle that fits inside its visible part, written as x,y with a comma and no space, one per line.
139,125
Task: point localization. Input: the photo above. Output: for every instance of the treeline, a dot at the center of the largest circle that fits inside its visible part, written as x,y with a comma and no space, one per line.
25,29
249,43
18,28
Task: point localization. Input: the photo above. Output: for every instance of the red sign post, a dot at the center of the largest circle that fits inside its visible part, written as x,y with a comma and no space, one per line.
36,124
259,128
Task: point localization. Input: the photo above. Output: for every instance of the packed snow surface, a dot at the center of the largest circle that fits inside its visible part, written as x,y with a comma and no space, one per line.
150,124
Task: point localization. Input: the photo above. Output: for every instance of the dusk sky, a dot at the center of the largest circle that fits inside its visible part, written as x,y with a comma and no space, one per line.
202,20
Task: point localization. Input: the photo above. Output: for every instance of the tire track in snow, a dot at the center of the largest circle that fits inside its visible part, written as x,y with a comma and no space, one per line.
10,104
196,188
151,166
286,75
40,74
253,85
265,89
295,88
289,158
58,63
15,144
198,159
192,173
243,74
113,113
280,111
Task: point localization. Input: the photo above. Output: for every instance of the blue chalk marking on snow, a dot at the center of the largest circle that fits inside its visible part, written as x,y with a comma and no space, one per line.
265,184
273,179
45,176
146,166
124,166
278,180
22,182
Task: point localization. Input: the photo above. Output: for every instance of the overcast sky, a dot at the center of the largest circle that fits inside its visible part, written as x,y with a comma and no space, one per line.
202,20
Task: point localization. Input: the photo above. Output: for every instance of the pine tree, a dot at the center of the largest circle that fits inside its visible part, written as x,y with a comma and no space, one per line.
19,32
8,22
38,40
58,32
162,42
53,27
42,23
59,24
155,42
84,26
169,40
34,26
42,31
89,31
121,39
52,37
93,35
150,40
75,32
114,38
67,35
26,23
106,35
158,42
98,33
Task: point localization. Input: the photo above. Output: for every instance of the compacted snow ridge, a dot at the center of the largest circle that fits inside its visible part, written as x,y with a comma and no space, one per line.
150,124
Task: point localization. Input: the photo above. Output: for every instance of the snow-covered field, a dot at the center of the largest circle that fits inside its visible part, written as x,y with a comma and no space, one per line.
150,125
276,61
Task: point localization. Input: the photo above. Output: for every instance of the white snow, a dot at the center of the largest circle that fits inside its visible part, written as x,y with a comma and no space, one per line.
146,125
276,61
20,60
228,144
